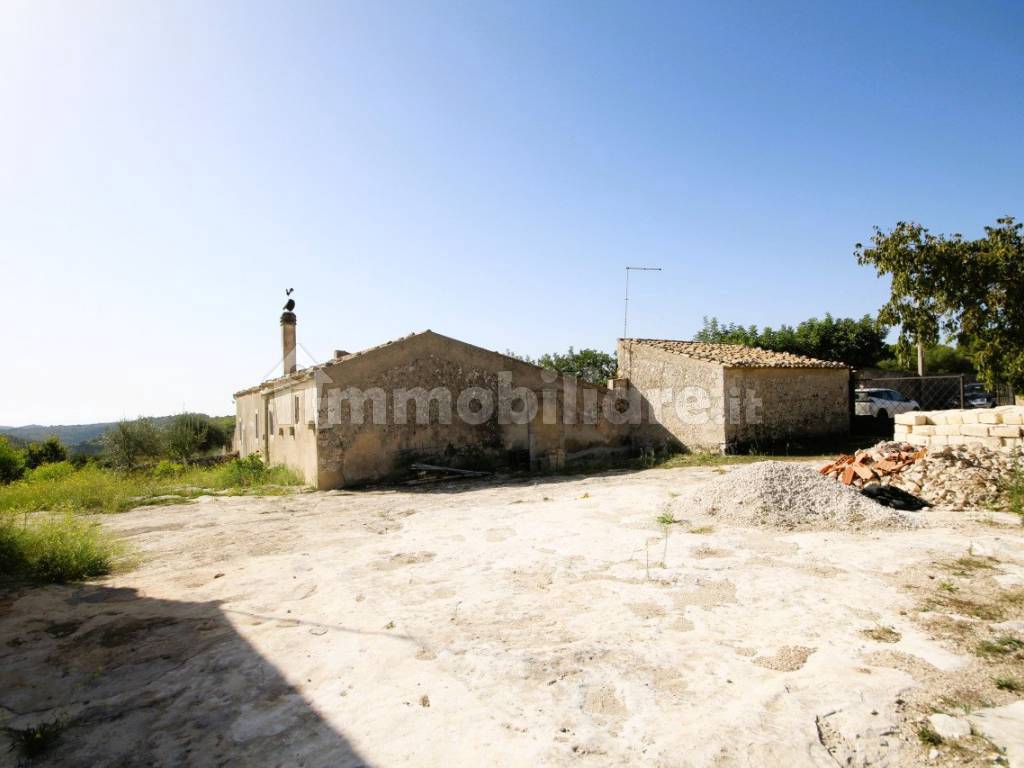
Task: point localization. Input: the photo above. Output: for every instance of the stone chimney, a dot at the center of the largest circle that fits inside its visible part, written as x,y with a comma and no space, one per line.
288,322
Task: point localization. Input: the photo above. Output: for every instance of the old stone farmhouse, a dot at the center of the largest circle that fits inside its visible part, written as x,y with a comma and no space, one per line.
432,399
725,396
422,398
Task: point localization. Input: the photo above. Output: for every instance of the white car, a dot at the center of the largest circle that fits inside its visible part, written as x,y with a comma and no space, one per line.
882,403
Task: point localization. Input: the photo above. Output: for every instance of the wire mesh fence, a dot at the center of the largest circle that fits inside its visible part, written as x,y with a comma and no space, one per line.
876,401
929,393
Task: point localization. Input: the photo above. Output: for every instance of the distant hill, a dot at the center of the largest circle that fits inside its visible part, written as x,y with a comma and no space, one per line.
86,436
69,434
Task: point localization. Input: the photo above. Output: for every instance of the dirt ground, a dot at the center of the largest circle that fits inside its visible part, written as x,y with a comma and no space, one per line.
533,622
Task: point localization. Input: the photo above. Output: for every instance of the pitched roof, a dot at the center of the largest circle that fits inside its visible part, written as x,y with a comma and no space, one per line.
736,355
307,373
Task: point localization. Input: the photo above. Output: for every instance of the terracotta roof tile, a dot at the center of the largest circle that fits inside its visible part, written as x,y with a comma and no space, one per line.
736,355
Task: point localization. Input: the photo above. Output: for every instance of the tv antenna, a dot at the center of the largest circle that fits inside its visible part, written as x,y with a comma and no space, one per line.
625,317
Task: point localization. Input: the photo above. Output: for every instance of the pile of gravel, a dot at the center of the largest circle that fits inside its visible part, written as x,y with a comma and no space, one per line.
778,494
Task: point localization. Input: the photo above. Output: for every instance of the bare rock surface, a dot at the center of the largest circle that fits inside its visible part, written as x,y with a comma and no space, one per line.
1005,727
549,622
949,727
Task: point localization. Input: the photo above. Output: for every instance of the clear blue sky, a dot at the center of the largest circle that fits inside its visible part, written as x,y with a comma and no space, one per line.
482,169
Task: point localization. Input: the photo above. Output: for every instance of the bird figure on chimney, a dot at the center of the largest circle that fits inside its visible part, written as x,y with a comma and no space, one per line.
290,305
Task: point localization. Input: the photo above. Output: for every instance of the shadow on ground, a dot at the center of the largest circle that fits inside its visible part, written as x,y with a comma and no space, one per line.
139,681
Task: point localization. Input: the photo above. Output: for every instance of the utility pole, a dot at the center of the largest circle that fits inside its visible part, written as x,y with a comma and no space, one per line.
625,317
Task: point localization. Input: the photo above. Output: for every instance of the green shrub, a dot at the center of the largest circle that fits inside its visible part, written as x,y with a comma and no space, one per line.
55,548
1012,492
186,436
251,471
128,443
12,461
165,469
48,473
79,460
221,431
50,451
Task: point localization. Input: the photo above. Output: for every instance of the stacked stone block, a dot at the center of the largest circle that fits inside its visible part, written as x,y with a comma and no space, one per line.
999,428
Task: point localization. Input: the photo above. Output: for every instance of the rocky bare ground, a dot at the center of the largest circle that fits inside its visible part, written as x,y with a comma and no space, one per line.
551,622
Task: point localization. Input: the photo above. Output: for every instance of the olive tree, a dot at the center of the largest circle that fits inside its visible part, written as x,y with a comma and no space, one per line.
965,290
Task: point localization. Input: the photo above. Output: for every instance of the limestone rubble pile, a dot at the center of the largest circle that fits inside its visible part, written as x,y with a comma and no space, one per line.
958,476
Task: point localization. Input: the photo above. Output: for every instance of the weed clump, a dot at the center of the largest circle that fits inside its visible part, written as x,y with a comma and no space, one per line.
882,634
928,736
1003,645
34,741
1010,684
55,549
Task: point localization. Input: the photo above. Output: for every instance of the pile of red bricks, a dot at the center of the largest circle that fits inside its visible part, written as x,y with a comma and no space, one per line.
872,464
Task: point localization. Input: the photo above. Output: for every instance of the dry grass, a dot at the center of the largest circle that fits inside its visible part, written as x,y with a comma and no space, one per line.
882,634
1003,645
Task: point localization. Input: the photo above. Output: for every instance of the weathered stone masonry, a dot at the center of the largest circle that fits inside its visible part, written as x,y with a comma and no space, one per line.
312,427
724,396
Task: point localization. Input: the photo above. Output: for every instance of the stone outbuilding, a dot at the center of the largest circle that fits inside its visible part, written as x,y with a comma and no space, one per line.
702,396
423,398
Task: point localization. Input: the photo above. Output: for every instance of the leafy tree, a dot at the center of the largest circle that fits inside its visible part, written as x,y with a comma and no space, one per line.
186,436
965,290
591,365
220,432
128,443
939,359
50,451
858,343
12,462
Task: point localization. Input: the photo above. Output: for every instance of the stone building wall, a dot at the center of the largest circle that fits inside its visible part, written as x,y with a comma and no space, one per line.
705,405
351,453
997,428
775,405
279,422
683,399
249,423
291,441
